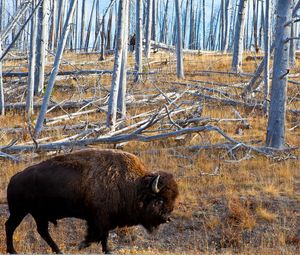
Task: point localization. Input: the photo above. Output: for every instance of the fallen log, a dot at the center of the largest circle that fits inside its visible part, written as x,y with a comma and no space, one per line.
104,140
75,72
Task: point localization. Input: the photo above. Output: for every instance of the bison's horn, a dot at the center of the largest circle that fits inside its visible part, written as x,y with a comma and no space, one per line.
155,185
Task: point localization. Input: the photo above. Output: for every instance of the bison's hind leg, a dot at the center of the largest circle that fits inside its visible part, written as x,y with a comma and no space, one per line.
42,228
11,224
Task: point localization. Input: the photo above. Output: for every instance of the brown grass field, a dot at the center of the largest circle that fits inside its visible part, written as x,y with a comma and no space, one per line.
250,206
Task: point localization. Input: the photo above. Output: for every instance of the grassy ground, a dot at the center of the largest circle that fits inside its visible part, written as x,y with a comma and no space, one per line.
250,206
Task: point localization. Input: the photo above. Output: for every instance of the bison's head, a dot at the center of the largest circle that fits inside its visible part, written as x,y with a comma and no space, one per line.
157,196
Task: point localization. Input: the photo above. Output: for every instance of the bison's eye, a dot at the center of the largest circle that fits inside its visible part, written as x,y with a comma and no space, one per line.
159,202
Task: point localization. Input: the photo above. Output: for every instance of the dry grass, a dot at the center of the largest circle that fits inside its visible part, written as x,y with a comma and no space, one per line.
250,207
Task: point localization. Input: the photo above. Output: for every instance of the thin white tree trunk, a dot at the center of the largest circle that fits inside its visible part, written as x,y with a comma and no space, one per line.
277,114
87,39
42,42
102,56
227,27
153,25
121,105
164,29
267,55
32,64
109,29
53,25
139,39
185,25
57,60
113,97
179,53
82,25
239,37
192,27
148,29
2,106
203,25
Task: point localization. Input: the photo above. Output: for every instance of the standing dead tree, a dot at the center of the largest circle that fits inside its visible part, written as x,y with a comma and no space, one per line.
148,28
179,54
116,79
277,114
2,106
57,60
31,67
239,37
41,45
139,39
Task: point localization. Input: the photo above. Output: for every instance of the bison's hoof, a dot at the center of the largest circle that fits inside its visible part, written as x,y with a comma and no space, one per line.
83,245
11,252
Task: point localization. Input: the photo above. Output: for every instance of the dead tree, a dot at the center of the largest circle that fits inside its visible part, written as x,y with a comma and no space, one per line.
57,60
115,84
179,53
32,64
41,44
148,28
239,37
2,106
139,39
277,114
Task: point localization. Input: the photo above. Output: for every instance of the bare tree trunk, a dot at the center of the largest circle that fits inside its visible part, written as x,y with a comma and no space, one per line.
2,106
32,64
226,27
102,56
179,54
153,25
76,26
121,105
267,55
97,26
58,22
185,25
239,37
164,29
192,27
115,84
109,28
82,25
53,26
203,24
277,115
139,39
148,29
292,52
42,42
209,39
57,60
87,39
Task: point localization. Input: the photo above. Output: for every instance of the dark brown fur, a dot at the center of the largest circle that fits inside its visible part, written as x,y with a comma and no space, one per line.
107,188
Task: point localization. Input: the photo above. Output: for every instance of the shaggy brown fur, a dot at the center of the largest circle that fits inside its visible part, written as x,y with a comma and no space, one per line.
107,188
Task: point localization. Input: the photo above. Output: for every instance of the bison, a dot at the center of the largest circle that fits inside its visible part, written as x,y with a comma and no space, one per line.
107,188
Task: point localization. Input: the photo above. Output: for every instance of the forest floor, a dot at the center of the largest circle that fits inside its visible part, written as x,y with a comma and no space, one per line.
234,197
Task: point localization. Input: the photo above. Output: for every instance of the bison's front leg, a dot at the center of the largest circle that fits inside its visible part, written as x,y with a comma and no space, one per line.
105,247
95,233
